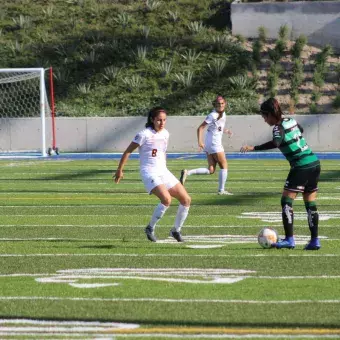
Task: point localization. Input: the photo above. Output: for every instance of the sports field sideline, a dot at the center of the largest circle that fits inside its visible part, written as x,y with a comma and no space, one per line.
75,262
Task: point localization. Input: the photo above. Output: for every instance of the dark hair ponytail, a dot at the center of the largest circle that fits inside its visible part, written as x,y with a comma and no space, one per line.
271,107
152,114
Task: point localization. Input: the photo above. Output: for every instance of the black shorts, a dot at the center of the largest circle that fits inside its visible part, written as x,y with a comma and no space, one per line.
303,180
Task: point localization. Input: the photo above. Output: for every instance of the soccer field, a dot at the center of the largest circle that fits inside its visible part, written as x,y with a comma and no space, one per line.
75,262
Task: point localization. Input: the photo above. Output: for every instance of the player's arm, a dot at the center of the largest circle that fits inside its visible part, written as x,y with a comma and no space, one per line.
265,146
278,136
200,135
118,175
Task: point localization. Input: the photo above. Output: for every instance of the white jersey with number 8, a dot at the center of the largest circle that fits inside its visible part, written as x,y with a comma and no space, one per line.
152,150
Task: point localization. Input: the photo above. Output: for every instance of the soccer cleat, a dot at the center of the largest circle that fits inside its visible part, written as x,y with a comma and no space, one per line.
184,174
285,243
150,234
224,192
176,235
313,244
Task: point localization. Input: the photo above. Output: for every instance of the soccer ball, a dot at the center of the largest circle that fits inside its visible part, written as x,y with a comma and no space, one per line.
267,237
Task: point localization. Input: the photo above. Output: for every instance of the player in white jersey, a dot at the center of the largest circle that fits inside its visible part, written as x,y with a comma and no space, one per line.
158,180
213,146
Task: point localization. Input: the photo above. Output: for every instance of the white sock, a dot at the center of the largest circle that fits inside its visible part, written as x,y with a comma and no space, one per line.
199,171
182,214
222,178
157,214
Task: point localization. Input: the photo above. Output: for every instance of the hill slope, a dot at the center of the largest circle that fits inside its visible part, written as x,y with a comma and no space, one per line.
120,57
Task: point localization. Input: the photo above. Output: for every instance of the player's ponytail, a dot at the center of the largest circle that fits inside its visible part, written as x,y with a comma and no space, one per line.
271,107
153,113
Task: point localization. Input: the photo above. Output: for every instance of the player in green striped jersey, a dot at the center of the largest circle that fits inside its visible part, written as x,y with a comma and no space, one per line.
303,175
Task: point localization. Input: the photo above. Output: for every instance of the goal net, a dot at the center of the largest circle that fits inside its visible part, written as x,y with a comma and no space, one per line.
24,111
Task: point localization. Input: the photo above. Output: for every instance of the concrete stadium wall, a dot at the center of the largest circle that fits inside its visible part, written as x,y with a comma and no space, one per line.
114,134
319,21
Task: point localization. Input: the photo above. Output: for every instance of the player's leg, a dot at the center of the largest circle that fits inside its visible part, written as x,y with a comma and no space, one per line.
212,162
221,160
178,191
294,184
199,171
154,185
287,200
309,197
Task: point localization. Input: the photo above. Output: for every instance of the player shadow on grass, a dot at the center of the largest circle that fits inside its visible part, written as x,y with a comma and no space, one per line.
241,199
190,323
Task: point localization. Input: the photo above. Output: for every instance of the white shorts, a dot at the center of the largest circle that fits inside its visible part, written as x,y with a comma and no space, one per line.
210,149
151,180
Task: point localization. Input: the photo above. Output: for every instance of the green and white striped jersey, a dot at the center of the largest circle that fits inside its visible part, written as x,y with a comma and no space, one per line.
288,138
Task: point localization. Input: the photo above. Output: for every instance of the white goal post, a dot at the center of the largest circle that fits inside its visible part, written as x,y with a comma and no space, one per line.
24,108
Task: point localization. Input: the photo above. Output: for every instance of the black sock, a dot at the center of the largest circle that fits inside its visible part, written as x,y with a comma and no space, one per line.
313,218
287,215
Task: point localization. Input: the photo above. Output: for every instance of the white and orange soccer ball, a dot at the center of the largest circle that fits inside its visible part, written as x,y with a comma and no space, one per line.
267,236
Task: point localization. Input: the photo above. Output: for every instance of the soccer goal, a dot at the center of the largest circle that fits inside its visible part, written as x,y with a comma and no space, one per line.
26,117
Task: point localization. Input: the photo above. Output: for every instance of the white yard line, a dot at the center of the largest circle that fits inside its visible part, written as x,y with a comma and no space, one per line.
222,301
267,253
223,336
42,334
104,273
161,226
216,239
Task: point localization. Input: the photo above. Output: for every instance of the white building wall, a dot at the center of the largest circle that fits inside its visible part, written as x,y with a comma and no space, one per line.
114,134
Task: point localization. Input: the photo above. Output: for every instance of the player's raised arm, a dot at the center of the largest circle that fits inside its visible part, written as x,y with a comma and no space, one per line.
118,175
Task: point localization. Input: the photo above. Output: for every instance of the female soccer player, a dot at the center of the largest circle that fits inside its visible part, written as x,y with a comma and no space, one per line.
213,146
303,175
158,180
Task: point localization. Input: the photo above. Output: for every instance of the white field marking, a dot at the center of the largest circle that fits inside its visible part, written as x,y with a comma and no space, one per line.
179,275
316,277
117,325
260,302
42,335
143,226
74,206
204,246
60,239
220,336
336,215
217,280
93,285
238,239
86,196
251,335
222,239
320,198
58,329
28,163
270,216
265,254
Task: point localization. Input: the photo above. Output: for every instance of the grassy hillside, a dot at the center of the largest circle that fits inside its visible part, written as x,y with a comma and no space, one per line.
120,57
